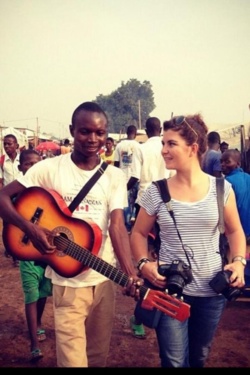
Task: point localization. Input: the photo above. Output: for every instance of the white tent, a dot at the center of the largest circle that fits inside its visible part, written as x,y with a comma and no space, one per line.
22,139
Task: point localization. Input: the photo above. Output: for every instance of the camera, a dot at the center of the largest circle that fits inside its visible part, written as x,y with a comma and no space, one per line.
178,274
221,284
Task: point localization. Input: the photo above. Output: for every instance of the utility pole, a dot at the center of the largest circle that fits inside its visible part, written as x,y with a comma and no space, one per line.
139,113
37,132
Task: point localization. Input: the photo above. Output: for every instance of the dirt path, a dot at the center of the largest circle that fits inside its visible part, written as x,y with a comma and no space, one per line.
230,348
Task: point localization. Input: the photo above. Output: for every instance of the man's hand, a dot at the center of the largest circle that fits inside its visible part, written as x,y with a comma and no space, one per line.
132,289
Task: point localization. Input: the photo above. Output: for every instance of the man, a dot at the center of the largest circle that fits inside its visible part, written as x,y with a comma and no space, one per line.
9,162
9,169
148,164
123,159
84,305
240,181
65,148
211,161
224,146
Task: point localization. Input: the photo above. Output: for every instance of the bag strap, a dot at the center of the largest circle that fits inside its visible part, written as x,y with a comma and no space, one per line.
162,186
86,188
163,189
220,202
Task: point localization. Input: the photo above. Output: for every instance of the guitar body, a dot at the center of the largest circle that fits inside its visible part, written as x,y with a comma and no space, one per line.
77,246
36,201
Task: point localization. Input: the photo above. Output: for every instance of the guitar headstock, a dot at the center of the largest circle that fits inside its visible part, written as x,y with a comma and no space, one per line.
167,304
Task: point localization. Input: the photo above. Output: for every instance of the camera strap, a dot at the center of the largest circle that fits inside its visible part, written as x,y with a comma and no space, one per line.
162,186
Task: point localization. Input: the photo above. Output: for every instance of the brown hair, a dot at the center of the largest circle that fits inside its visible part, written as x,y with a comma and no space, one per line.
193,130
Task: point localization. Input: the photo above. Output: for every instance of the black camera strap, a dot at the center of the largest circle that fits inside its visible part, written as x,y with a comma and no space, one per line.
162,186
86,188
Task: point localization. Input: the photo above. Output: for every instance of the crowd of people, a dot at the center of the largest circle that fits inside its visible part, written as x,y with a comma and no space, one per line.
125,210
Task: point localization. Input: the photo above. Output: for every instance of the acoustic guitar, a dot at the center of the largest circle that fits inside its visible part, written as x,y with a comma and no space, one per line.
77,247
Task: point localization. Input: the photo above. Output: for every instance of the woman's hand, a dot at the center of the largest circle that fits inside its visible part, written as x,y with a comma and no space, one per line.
237,278
150,272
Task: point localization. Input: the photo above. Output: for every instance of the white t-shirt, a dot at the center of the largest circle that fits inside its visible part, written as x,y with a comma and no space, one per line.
124,155
148,164
10,170
108,193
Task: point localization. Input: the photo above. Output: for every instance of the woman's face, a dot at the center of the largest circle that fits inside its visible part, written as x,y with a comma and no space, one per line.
175,151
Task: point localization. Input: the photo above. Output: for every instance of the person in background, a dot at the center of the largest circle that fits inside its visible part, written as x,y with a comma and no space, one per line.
224,146
123,159
240,181
147,166
192,240
9,169
66,147
109,153
36,287
211,159
84,305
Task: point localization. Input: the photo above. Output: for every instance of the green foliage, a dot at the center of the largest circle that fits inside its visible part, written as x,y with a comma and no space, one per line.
124,105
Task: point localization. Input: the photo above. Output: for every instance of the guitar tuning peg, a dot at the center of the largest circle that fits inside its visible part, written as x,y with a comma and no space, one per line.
174,295
166,291
181,298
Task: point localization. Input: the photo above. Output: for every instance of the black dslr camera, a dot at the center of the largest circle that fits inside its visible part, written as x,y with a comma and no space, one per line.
221,284
178,274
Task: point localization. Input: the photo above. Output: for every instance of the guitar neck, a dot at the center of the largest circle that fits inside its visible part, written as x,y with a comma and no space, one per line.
97,264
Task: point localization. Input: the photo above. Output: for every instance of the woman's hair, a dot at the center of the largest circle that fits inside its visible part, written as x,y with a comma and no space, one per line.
192,128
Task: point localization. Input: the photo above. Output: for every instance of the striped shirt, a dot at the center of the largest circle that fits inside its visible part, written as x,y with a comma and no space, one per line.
197,223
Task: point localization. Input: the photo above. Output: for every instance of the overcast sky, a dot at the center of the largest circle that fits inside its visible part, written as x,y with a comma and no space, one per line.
56,54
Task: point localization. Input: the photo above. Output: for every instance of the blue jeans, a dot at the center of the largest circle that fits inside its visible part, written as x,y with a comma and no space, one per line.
187,344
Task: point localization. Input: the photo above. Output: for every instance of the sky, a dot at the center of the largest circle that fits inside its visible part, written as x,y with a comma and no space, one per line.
56,54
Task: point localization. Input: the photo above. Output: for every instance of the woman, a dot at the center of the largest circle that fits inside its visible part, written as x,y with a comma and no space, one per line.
193,239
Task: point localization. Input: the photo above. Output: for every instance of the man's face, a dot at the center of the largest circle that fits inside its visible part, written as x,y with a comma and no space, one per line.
223,148
10,146
89,132
29,161
228,164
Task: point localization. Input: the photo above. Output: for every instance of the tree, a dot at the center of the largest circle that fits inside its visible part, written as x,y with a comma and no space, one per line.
130,104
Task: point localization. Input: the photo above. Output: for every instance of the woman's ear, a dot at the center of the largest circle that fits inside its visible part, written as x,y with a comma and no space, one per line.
195,148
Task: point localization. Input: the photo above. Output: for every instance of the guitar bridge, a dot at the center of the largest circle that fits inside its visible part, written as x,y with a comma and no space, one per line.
33,220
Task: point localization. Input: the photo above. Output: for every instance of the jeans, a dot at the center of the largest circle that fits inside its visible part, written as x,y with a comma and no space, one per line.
187,344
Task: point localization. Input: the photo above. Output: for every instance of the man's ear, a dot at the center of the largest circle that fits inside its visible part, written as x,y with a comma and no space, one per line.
17,146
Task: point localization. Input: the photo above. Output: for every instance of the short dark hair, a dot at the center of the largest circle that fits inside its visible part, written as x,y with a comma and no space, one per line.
11,136
25,153
87,106
224,144
110,139
213,137
66,141
131,129
153,124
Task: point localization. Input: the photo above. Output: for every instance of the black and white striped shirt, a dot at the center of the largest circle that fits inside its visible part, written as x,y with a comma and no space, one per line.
197,223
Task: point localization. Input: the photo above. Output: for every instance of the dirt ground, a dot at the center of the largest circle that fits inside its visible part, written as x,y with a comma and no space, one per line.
230,347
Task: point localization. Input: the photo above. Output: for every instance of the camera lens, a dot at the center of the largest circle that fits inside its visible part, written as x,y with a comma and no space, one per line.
175,284
231,294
